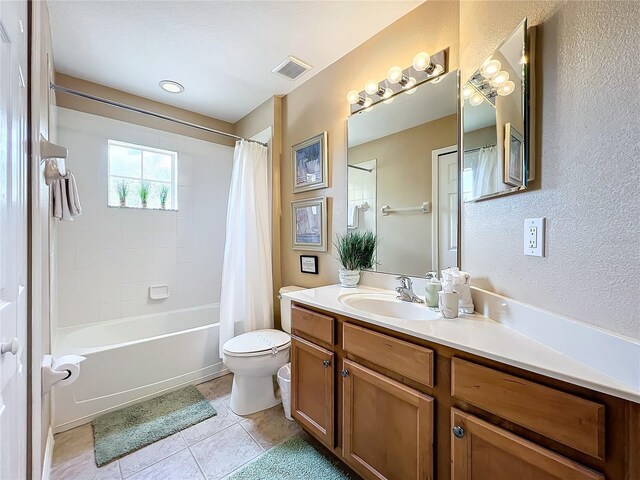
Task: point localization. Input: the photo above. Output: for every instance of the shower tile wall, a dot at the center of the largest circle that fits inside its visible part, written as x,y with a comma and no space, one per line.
108,257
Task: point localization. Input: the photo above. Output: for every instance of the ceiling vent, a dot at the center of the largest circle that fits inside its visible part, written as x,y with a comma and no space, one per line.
291,68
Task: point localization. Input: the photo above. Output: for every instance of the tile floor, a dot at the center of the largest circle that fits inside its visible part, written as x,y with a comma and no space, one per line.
211,449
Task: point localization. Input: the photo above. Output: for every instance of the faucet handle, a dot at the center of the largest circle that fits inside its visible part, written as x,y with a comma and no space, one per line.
405,282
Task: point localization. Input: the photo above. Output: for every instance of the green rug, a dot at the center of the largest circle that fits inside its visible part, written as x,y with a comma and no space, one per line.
295,459
121,432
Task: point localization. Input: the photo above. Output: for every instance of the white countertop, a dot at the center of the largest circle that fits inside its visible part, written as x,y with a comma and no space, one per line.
477,335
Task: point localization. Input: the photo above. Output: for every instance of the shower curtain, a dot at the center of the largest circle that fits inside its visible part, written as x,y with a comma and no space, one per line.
247,289
485,178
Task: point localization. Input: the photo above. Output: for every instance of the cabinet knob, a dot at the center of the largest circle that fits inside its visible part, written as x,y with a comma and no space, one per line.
12,347
458,431
326,363
344,372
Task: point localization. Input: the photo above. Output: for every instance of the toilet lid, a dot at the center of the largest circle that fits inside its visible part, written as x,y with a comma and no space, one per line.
256,343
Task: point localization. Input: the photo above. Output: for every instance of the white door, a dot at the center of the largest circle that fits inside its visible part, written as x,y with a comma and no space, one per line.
13,239
447,208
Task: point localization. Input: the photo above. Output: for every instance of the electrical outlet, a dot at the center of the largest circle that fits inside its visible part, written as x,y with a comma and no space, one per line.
534,237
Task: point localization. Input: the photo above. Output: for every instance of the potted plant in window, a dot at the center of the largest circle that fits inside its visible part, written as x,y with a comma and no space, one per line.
163,193
144,193
122,187
356,250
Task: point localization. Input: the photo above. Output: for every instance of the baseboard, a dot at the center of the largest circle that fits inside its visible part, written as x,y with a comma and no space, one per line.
89,418
48,456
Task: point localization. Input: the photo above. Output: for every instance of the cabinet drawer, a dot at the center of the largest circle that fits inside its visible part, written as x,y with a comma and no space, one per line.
313,324
412,361
570,420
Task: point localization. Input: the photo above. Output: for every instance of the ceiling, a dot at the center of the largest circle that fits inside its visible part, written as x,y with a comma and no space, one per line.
430,101
221,51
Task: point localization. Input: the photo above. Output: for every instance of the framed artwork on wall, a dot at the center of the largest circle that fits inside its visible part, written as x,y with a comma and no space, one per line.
309,224
309,164
513,156
309,264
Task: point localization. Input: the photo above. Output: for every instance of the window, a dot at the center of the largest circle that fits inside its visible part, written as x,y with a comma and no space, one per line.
135,168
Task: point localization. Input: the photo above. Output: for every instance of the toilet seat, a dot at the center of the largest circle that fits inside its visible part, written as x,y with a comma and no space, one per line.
256,343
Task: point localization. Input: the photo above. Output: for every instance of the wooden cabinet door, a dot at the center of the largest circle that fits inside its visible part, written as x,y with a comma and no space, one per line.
482,451
387,426
312,387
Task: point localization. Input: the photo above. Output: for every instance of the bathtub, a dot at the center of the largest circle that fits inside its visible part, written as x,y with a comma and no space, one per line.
134,358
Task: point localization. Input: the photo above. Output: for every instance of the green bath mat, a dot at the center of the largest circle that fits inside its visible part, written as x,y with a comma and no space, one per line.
121,432
295,459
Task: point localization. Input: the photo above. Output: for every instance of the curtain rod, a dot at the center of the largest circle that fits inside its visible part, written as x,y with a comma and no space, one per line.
361,168
58,88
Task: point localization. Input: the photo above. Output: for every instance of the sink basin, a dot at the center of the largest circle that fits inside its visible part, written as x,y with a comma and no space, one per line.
386,305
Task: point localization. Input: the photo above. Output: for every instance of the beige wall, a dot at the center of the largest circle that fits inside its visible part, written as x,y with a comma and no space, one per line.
587,182
319,105
403,173
89,106
269,114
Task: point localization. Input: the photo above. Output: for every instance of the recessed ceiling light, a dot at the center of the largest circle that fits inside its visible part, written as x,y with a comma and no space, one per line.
171,86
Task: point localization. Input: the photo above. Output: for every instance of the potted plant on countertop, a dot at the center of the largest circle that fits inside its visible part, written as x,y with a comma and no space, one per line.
163,193
122,187
144,193
356,251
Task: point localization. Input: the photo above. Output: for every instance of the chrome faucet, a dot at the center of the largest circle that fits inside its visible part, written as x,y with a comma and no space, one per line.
405,291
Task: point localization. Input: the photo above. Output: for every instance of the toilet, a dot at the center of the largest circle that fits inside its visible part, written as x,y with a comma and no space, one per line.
254,358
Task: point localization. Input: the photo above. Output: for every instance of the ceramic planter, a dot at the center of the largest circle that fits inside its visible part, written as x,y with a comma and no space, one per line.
123,203
144,204
349,278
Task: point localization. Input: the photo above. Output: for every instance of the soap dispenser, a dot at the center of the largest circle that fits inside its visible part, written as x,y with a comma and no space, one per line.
432,288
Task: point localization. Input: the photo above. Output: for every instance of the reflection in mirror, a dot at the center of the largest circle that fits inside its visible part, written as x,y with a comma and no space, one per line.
403,177
495,122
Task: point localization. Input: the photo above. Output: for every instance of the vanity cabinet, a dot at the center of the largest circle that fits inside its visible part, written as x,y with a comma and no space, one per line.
312,382
393,406
482,451
387,426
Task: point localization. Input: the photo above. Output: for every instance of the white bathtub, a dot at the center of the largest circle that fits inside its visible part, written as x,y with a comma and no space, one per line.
134,358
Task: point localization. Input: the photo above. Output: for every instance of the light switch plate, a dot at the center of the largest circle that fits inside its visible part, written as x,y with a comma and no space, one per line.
534,237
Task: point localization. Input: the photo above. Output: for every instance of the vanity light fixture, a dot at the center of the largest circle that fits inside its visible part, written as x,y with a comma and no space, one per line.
422,63
171,86
374,88
354,98
424,68
500,78
506,88
491,69
476,99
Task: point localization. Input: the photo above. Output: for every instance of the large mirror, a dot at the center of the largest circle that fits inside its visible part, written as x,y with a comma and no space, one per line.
403,177
495,122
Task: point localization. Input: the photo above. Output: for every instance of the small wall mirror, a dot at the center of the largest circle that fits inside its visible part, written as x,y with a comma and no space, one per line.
403,177
496,122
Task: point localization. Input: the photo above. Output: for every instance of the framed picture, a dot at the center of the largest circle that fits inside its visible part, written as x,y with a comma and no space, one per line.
309,225
309,264
309,160
513,156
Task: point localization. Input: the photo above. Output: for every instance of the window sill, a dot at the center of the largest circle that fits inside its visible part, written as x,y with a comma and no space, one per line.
144,208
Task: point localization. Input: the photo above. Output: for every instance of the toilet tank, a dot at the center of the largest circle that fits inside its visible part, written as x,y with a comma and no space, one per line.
285,307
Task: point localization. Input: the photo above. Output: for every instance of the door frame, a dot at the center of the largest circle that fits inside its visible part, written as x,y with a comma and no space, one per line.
435,203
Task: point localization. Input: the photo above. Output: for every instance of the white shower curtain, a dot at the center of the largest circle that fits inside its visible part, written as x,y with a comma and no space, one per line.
247,290
485,176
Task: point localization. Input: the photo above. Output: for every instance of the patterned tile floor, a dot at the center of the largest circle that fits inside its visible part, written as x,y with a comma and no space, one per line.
211,449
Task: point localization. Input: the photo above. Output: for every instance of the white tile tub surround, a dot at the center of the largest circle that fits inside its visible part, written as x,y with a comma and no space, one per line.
108,257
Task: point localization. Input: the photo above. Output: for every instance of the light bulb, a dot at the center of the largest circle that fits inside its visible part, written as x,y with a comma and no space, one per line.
467,91
353,97
387,93
476,99
368,102
500,78
491,69
368,109
394,75
410,83
389,100
371,87
421,61
438,70
411,91
506,88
